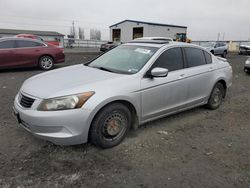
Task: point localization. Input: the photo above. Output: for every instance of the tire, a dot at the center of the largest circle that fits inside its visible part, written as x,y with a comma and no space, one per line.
212,52
224,55
216,96
110,126
46,62
247,71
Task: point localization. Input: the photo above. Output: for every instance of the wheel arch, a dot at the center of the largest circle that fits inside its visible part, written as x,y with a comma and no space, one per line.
223,82
129,104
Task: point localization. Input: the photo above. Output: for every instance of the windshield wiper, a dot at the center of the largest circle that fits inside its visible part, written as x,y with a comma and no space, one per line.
105,69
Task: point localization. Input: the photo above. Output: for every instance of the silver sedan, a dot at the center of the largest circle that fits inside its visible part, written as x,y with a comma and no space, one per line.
128,86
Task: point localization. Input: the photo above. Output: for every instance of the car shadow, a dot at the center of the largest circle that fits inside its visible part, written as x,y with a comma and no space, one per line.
169,118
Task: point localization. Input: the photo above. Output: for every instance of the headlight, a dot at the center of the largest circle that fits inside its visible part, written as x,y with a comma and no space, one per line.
65,103
248,62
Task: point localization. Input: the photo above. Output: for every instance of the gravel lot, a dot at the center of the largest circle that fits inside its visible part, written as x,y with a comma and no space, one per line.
197,148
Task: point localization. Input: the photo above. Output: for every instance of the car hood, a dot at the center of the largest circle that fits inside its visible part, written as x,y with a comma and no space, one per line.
245,46
64,81
209,48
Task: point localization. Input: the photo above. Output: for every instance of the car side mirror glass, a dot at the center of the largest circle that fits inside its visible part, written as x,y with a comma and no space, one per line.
159,72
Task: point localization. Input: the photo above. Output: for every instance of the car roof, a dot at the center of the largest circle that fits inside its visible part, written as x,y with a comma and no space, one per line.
156,38
160,44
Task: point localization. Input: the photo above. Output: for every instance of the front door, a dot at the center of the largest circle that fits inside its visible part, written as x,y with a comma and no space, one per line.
160,96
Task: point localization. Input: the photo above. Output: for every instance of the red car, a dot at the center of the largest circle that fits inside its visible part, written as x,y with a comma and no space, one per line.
24,52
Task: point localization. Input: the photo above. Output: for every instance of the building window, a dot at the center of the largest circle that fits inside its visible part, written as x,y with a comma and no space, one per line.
116,35
137,32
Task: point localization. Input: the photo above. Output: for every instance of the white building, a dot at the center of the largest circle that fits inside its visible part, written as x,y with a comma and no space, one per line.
128,30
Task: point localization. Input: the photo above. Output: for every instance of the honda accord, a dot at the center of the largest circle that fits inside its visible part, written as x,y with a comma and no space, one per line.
129,85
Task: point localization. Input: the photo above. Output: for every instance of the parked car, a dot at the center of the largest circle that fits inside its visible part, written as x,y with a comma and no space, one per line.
247,66
24,52
216,48
130,85
244,48
108,46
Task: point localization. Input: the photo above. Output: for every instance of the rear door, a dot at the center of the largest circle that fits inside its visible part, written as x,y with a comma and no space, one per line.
161,96
7,56
200,74
28,52
221,48
217,49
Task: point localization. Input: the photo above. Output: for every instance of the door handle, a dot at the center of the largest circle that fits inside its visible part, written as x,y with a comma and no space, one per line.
211,68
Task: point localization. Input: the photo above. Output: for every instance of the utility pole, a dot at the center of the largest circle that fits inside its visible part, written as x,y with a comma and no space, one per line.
73,28
218,38
224,36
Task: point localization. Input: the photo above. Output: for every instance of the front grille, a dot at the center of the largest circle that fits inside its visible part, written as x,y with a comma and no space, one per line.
25,101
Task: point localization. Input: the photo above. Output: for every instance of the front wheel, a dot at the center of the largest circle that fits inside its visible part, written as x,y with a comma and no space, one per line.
46,62
216,96
110,125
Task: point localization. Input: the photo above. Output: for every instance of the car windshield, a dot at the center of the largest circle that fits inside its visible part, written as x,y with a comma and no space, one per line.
126,59
207,44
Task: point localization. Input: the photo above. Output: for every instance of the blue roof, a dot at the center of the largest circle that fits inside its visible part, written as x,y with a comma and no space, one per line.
149,23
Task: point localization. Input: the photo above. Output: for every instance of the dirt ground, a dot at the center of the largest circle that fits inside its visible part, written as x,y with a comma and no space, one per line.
197,148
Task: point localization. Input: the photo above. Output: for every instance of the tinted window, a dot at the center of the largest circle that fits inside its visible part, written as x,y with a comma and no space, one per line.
7,44
208,57
195,57
170,59
27,44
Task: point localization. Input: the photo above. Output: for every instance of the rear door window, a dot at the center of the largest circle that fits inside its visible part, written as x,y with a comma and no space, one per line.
7,44
195,57
171,59
28,44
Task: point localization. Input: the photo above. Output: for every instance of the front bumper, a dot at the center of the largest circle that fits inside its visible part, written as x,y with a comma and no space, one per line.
244,51
69,127
247,68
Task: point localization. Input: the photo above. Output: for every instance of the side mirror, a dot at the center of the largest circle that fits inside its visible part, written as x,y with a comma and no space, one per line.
158,72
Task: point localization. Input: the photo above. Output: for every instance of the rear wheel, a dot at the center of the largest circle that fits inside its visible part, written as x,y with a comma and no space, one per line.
216,96
110,125
247,70
46,62
224,54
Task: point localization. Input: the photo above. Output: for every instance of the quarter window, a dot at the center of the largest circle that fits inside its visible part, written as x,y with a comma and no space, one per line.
195,57
171,59
7,44
208,57
28,44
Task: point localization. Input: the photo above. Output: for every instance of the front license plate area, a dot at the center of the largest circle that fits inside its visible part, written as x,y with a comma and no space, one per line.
20,121
17,116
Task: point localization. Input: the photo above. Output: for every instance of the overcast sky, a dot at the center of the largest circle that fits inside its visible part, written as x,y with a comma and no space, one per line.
204,18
